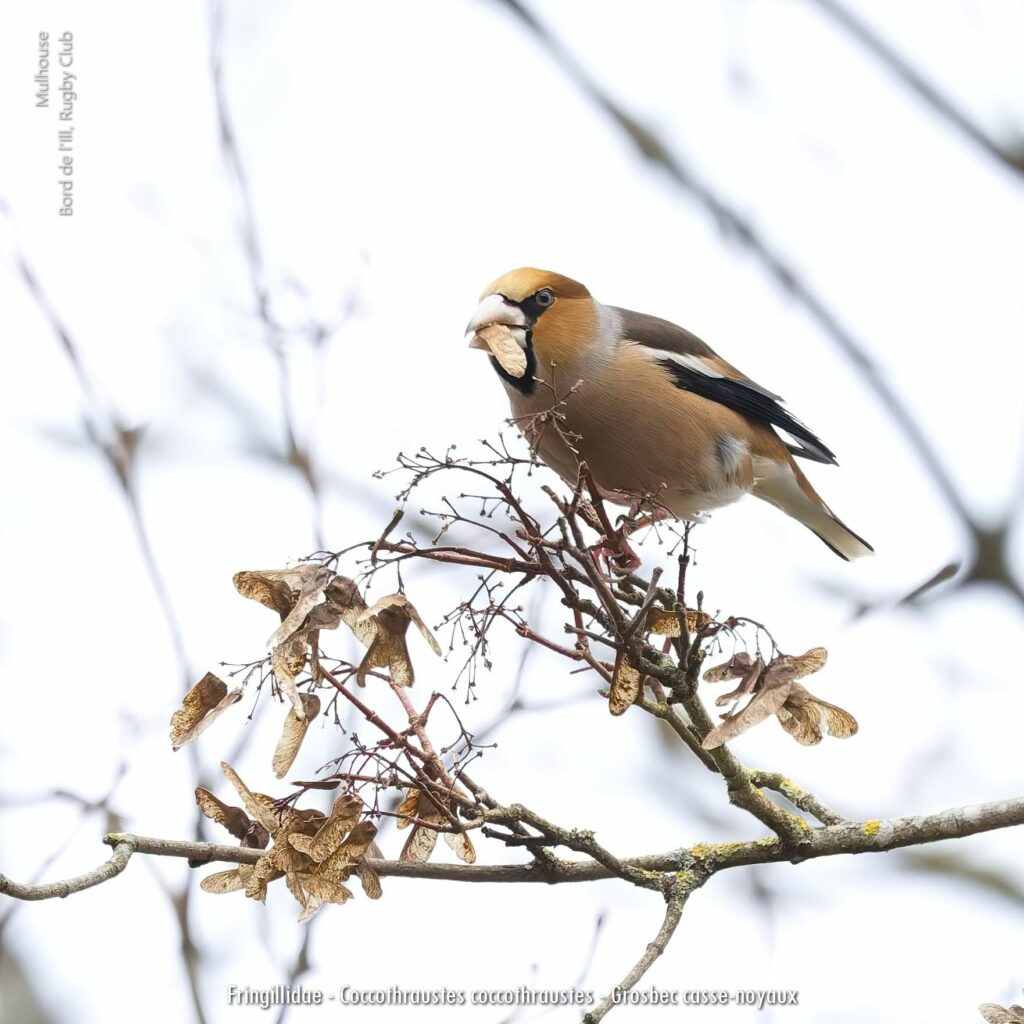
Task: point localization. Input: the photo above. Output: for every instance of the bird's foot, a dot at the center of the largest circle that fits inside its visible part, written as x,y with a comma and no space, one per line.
630,524
614,556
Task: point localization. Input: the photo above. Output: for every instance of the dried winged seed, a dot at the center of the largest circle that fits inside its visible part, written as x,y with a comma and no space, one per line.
806,663
234,819
309,911
800,722
332,783
750,680
735,668
292,880
307,820
290,861
397,603
287,660
424,629
382,651
761,705
312,638
359,840
370,881
309,594
838,722
504,347
277,589
256,838
420,845
342,820
263,871
388,648
803,716
259,806
200,708
338,866
780,672
344,603
293,733
300,841
318,892
666,623
223,881
461,844
996,1014
408,808
324,889
626,685
392,615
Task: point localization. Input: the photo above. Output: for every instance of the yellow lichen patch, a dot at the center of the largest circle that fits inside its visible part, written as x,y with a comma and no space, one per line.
872,828
705,850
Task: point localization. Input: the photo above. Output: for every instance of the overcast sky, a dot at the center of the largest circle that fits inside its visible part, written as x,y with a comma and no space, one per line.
399,157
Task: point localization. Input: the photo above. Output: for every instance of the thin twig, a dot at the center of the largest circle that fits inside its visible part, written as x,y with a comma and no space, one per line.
673,912
123,850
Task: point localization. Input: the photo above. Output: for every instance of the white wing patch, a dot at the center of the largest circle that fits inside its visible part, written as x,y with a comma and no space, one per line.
690,362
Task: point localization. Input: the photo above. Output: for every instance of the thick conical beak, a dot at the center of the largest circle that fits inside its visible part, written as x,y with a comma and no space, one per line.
500,327
494,309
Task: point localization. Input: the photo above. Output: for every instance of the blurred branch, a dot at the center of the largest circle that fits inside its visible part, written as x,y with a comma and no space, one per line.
998,883
118,443
920,86
299,968
87,807
990,564
298,449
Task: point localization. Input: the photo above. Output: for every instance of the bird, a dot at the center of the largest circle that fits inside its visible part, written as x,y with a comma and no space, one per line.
658,418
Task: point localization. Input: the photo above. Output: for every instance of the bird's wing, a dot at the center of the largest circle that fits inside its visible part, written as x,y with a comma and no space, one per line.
695,367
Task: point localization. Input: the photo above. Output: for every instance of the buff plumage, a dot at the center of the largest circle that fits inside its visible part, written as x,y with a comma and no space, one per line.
652,410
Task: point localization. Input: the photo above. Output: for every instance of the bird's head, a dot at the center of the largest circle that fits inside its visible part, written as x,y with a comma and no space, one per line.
550,317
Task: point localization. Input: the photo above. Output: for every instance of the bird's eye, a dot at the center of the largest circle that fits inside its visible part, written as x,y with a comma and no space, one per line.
544,297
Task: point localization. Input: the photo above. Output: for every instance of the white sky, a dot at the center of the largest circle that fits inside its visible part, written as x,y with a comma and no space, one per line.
411,153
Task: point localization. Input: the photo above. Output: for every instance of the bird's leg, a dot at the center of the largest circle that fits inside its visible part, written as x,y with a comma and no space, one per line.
630,524
615,554
616,549
612,550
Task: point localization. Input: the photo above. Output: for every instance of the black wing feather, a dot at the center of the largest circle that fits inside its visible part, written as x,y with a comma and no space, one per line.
755,405
738,393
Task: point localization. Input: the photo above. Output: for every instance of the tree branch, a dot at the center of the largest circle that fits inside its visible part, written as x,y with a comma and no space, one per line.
704,860
123,850
799,797
673,912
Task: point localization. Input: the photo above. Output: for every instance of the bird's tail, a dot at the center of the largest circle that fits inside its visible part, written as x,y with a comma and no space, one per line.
785,486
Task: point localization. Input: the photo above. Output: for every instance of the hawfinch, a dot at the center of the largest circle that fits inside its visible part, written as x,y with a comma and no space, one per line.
649,407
